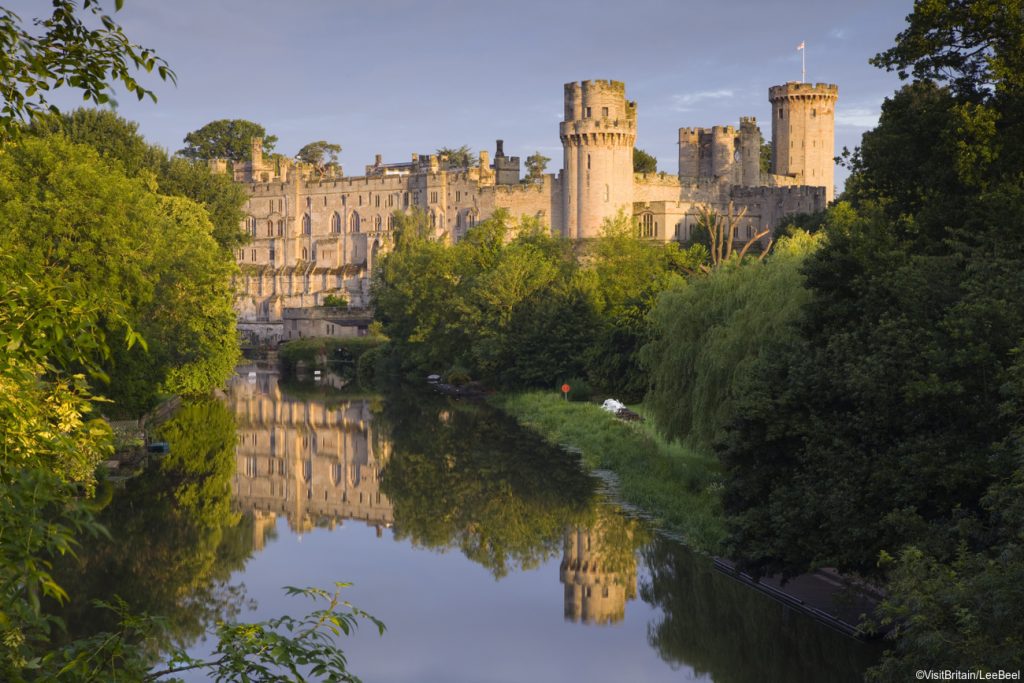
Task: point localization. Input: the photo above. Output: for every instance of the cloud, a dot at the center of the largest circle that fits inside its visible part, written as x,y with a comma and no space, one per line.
838,33
688,101
857,117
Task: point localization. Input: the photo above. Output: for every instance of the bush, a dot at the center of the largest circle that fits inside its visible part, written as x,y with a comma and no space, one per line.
457,375
579,389
336,300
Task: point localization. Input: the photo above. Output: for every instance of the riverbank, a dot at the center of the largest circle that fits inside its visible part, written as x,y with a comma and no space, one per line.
678,486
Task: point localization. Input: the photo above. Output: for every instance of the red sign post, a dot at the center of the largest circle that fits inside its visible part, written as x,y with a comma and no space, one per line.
565,391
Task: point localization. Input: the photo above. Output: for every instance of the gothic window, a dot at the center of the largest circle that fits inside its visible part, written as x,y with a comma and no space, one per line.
270,228
391,222
272,253
336,473
309,202
280,205
305,253
280,227
353,222
648,228
376,201
335,223
253,254
377,223
307,464
307,224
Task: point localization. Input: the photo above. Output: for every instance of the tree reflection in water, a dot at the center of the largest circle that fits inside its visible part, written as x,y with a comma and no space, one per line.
174,540
464,476
719,626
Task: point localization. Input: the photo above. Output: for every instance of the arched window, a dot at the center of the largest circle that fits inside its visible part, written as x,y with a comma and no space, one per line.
305,253
270,228
336,473
377,223
353,222
307,224
648,228
314,251
335,222
280,227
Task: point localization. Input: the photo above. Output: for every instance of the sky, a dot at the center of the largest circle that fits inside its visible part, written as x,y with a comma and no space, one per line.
394,77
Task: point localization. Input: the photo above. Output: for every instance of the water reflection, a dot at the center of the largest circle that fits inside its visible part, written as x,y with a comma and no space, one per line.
462,481
316,464
598,569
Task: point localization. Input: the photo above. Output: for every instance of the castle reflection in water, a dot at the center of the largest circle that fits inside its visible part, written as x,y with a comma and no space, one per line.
320,464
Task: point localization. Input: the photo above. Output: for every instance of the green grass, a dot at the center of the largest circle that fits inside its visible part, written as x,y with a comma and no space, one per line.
678,486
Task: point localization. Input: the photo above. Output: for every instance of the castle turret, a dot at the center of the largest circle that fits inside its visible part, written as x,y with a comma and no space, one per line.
803,133
598,135
723,149
750,151
689,153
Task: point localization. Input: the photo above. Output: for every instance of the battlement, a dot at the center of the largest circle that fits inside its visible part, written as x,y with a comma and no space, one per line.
794,89
598,99
747,121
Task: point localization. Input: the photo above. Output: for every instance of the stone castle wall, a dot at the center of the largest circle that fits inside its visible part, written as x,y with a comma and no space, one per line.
312,238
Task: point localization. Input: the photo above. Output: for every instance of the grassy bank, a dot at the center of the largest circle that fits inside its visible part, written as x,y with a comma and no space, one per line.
315,351
678,486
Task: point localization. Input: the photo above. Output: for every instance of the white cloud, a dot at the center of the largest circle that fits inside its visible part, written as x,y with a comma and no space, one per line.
837,33
688,101
857,117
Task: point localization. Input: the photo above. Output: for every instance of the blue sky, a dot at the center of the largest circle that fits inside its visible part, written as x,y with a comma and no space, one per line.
401,76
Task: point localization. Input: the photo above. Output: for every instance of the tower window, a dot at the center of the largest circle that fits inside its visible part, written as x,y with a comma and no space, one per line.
588,162
814,112
588,112
780,113
604,112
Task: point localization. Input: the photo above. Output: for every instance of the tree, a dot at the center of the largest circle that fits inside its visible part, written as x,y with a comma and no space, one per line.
536,164
458,158
765,158
721,232
62,51
229,139
644,162
321,155
118,141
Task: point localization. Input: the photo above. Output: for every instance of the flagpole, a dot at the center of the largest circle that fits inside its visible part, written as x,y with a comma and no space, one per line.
803,63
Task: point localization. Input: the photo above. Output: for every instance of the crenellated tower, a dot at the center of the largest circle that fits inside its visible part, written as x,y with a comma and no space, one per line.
803,133
598,134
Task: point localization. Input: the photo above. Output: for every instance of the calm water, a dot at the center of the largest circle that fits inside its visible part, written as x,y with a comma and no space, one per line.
489,555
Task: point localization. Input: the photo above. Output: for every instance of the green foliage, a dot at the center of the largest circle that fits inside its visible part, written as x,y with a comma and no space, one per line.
644,162
318,351
229,139
461,157
884,437
709,334
321,155
518,307
536,164
67,213
681,487
68,49
118,141
467,478
336,300
765,157
579,389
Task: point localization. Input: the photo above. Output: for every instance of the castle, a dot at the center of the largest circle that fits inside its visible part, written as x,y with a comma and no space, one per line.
317,237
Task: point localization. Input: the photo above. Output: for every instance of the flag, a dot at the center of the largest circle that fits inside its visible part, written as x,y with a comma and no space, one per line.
800,46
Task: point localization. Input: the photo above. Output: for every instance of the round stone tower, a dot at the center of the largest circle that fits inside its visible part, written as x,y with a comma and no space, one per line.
803,133
598,134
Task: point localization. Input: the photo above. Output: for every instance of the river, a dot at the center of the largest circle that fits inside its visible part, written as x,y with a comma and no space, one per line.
489,555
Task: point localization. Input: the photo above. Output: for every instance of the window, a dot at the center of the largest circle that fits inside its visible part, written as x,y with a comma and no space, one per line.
253,254
376,201
309,202
780,113
305,253
344,200
270,228
353,222
307,224
377,223
433,198
648,228
588,162
814,113
280,227
272,253
604,112
335,222
280,205
588,112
